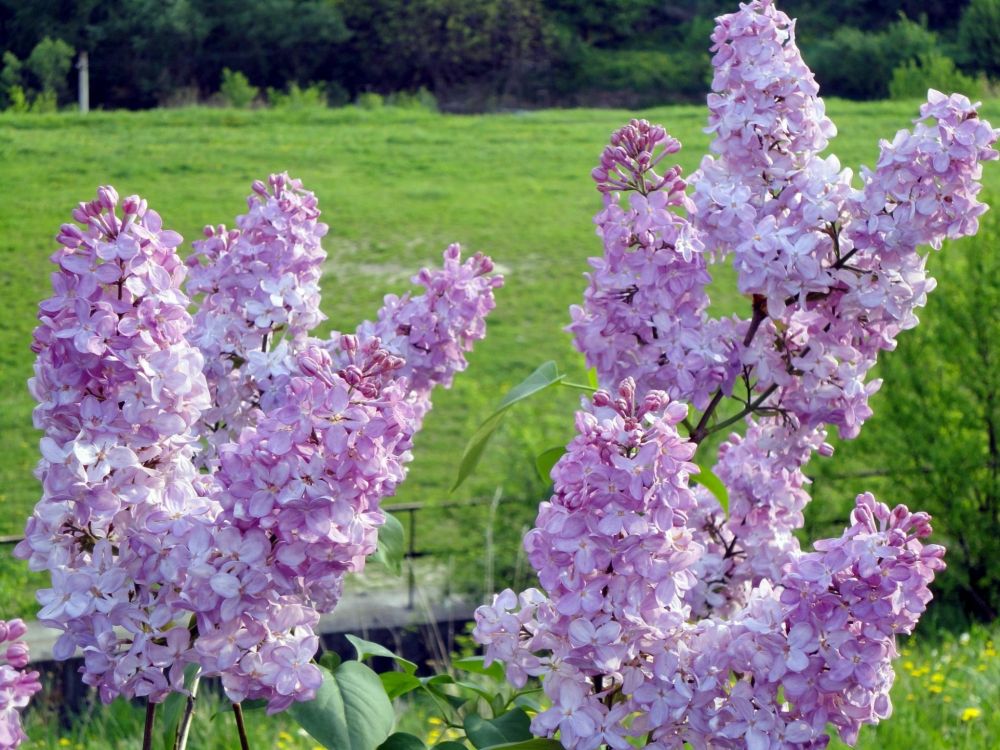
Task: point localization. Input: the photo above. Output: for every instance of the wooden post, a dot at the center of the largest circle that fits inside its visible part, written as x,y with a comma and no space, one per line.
83,83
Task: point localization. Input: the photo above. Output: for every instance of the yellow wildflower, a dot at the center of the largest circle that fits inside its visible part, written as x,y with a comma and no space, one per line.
63,742
937,677
971,713
935,689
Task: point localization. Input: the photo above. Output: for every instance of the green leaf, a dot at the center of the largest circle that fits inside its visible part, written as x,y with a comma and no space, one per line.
403,741
475,447
390,551
330,659
438,679
513,726
592,378
351,710
540,379
535,743
474,664
450,745
368,648
707,479
399,683
454,701
486,695
545,460
529,701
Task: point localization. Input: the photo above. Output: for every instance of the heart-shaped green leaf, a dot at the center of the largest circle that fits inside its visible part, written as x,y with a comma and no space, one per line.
476,665
399,683
351,710
535,743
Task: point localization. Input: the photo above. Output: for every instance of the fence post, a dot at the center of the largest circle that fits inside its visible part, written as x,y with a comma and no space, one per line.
83,82
411,556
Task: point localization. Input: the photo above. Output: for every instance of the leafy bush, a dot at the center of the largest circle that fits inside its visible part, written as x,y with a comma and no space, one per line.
931,71
979,36
370,100
642,77
50,62
312,96
10,78
236,89
419,99
17,100
858,65
45,102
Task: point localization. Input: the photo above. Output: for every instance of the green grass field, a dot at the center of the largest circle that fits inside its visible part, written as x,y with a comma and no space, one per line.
395,187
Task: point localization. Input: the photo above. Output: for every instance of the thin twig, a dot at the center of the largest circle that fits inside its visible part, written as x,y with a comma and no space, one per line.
748,409
147,732
701,431
241,727
184,728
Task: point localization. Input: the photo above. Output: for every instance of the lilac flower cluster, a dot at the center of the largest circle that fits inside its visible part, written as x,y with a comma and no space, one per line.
119,391
157,564
16,685
748,641
432,331
256,283
647,295
613,637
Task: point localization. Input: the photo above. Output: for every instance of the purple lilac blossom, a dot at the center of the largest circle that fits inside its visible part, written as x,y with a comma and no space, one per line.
120,391
17,685
834,275
257,285
156,564
611,633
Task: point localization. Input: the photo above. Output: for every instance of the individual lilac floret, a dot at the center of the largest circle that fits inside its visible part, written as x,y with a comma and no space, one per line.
257,284
17,685
119,392
644,312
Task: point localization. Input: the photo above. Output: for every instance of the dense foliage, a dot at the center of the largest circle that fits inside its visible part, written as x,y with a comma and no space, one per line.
477,54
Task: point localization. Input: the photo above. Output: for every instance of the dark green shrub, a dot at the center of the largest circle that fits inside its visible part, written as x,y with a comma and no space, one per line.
236,89
912,79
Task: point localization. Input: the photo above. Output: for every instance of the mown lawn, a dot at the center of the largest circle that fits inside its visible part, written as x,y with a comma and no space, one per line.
395,187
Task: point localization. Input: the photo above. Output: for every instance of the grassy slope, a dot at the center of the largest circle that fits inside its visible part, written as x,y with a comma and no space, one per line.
395,187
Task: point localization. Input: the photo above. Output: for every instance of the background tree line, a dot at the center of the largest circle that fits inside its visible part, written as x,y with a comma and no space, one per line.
470,54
